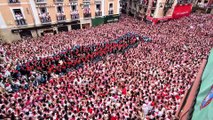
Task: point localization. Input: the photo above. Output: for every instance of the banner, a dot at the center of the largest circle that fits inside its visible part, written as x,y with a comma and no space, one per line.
97,21
111,18
204,105
182,10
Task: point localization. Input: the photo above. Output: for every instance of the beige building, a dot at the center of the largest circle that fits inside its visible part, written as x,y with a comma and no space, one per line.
33,18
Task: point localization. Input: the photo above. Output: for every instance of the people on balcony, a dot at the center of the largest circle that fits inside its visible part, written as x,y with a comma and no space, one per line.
20,19
60,16
110,11
75,15
86,12
98,12
45,17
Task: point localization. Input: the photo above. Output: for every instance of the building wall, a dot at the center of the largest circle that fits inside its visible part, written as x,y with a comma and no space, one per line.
159,12
6,10
30,10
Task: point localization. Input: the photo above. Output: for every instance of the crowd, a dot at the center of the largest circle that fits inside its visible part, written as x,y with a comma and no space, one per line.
145,82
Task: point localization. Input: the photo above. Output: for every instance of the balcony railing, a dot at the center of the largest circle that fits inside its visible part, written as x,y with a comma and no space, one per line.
74,16
58,1
61,17
20,22
14,1
87,15
98,13
41,1
45,18
110,12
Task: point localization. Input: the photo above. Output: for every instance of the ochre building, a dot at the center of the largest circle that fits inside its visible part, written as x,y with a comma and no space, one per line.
34,18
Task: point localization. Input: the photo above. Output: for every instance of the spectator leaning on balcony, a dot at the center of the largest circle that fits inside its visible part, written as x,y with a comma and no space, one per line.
58,16
21,19
44,17
86,10
48,17
18,18
41,17
74,14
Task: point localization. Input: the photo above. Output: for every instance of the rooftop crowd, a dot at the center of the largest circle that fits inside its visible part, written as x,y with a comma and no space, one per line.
144,82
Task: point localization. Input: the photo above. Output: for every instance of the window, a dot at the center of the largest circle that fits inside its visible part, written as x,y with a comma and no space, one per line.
98,10
19,17
43,10
14,1
17,11
59,9
74,8
86,6
44,15
110,5
98,7
87,11
206,1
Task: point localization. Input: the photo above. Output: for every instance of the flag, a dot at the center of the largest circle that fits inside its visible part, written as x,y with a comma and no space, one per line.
204,102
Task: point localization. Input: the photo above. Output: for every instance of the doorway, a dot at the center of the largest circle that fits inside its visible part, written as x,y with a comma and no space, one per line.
25,34
85,26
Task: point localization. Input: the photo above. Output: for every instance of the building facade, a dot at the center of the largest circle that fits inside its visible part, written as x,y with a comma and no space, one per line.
205,6
155,10
33,18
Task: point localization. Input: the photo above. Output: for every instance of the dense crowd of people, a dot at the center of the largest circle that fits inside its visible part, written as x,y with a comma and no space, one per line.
147,81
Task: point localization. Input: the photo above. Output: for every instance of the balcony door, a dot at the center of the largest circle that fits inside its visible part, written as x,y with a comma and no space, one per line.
111,9
87,11
98,11
44,15
74,8
43,10
19,17
60,9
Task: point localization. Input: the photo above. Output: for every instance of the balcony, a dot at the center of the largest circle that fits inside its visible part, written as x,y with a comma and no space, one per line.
58,1
61,17
45,18
87,15
20,22
74,16
110,12
41,1
98,13
13,1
